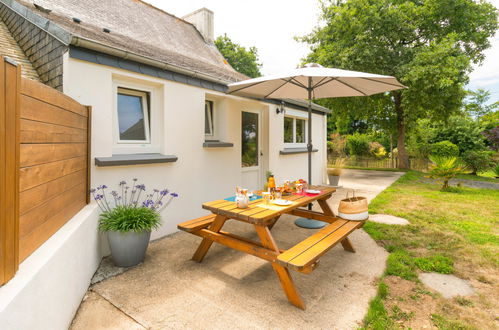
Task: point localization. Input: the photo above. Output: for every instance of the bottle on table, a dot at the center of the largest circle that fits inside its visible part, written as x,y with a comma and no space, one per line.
271,185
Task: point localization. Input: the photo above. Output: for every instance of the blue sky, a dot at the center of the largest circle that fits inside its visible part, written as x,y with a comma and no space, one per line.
272,25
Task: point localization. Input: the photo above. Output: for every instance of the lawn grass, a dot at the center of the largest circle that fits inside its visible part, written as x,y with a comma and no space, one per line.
451,233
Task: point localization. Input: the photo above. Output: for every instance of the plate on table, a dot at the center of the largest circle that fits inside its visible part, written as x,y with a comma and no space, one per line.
282,202
312,191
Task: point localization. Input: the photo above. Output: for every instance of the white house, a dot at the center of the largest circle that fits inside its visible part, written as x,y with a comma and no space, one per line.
156,84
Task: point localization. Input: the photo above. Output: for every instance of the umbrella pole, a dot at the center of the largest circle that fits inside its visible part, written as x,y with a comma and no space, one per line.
304,222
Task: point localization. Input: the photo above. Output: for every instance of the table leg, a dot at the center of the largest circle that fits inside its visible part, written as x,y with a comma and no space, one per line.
347,245
272,224
206,243
282,272
325,207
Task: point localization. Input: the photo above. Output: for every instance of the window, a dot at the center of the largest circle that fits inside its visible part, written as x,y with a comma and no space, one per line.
209,127
133,116
294,130
288,130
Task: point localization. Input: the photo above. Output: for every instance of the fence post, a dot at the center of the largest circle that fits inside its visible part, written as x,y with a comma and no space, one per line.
10,81
89,151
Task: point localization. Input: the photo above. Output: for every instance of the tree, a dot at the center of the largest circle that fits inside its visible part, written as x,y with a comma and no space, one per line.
241,59
429,45
460,130
477,105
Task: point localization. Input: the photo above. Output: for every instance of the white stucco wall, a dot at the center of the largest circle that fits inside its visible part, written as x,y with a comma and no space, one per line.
49,286
51,282
200,174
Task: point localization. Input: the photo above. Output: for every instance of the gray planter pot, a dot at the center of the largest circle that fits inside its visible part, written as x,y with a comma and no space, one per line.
128,249
334,180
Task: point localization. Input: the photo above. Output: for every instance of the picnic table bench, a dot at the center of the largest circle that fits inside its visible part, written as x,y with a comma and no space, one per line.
303,257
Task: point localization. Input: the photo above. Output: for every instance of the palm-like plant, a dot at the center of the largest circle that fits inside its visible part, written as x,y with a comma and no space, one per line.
444,169
496,170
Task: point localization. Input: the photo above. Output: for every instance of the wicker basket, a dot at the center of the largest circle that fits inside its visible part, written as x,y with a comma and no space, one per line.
353,208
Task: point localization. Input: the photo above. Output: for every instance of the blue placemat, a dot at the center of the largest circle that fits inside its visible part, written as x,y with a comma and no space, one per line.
233,198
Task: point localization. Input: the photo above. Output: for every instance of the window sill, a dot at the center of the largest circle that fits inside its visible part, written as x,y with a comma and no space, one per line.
292,151
217,144
134,159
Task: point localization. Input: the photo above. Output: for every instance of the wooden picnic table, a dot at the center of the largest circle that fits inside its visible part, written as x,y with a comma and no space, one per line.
302,257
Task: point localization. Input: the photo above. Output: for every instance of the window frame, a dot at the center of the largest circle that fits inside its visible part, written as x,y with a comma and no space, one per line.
295,144
213,119
146,110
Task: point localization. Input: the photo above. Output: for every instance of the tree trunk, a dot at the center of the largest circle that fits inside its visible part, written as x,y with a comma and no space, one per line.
402,153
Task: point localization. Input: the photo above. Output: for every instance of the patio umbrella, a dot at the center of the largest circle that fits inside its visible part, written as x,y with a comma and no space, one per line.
314,81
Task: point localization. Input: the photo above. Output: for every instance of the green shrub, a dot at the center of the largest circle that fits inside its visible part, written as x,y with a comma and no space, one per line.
129,218
444,149
495,169
462,131
444,169
336,145
478,161
358,144
377,150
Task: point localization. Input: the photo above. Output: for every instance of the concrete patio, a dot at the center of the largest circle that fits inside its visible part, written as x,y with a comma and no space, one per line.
233,290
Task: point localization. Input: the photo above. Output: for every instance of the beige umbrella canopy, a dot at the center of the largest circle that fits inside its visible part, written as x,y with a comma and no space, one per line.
314,81
322,82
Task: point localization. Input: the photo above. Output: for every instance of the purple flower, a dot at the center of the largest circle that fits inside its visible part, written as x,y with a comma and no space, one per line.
164,192
114,193
156,190
147,203
174,194
122,183
141,187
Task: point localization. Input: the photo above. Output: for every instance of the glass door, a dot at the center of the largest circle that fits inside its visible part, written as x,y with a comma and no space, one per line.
250,150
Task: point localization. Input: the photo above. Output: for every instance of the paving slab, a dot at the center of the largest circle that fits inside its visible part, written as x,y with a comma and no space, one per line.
233,290
447,285
97,313
388,219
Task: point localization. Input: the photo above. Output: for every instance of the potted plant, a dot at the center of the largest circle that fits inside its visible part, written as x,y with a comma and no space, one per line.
334,172
128,220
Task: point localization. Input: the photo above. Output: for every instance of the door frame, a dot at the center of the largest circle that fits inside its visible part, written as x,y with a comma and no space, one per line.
259,168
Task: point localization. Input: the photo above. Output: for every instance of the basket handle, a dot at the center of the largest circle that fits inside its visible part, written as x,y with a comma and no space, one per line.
353,194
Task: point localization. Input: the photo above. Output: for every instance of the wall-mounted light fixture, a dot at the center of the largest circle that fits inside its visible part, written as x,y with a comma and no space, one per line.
280,109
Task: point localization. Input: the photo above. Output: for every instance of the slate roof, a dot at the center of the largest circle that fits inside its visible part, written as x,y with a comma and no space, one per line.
10,48
139,28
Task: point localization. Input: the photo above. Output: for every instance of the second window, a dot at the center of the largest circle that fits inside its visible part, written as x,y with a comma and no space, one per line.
294,130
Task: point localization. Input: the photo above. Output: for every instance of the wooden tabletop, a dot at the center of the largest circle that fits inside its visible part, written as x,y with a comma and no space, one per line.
259,213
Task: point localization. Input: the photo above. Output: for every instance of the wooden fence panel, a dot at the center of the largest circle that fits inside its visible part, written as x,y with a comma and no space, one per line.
44,164
54,162
370,162
10,74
